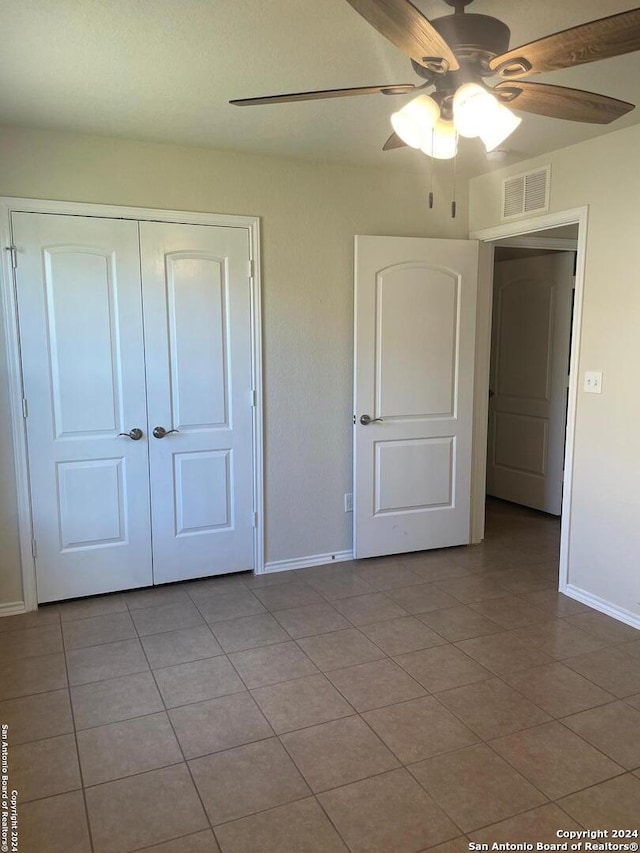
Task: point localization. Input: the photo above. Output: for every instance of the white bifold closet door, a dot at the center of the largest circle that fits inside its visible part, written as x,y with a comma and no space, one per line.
128,328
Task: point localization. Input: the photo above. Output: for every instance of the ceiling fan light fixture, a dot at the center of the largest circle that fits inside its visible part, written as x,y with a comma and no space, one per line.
442,143
473,109
415,121
503,123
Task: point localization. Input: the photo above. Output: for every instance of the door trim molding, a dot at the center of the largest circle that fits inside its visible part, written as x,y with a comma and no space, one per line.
10,205
488,236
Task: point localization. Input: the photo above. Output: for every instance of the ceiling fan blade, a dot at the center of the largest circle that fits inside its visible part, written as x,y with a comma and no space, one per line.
600,39
560,102
409,30
400,89
392,142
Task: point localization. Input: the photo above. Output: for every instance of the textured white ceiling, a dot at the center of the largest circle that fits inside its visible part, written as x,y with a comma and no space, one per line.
163,70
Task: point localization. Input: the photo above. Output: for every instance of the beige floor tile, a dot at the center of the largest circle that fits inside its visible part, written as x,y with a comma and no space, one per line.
183,646
613,729
35,717
201,842
33,675
339,752
96,630
249,632
45,767
126,748
30,642
340,585
55,825
522,580
491,708
47,614
431,566
196,681
166,617
99,605
614,804
502,653
459,623
231,583
509,612
632,649
634,701
143,810
558,690
390,813
311,619
272,664
539,825
470,590
559,640
399,636
555,760
604,627
219,724
610,669
442,668
227,604
458,845
111,660
555,603
288,595
418,729
386,574
422,598
257,777
364,609
340,648
270,579
476,787
116,699
375,684
156,596
293,828
301,703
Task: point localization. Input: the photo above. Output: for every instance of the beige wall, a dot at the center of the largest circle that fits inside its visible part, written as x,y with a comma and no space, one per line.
604,545
310,214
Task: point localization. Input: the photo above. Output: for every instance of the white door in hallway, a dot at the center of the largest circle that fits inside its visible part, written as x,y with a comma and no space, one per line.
197,323
137,363
80,309
415,319
531,342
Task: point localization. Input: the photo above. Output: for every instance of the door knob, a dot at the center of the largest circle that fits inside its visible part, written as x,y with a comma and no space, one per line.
160,431
365,420
135,434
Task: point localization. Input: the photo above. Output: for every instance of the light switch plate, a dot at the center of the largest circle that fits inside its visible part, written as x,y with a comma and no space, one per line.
593,381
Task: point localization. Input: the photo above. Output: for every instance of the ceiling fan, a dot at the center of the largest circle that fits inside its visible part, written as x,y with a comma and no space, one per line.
454,54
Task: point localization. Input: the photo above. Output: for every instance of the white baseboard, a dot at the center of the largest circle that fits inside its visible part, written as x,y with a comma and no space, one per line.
307,562
12,608
602,605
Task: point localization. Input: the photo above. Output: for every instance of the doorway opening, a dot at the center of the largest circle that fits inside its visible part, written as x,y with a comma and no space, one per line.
530,307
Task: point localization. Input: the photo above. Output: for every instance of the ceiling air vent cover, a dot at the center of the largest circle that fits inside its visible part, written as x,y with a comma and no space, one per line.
526,193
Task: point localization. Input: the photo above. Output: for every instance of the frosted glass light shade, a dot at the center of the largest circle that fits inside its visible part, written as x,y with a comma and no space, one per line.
473,109
503,123
442,143
413,123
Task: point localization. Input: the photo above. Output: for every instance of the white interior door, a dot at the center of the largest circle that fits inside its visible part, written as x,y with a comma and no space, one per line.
197,321
531,341
415,316
80,311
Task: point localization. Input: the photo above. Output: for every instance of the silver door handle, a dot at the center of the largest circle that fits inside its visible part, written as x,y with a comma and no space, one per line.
135,434
365,420
160,431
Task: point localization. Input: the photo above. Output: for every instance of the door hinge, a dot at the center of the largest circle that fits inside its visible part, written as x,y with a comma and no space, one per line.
34,548
255,519
254,398
14,256
250,269
25,408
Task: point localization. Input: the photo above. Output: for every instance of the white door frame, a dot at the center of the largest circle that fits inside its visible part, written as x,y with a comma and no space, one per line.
487,237
14,369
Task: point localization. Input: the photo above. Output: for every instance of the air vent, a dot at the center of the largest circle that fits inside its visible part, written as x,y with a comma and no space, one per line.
526,193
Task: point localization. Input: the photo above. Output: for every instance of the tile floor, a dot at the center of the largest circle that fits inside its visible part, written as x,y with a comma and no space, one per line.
382,706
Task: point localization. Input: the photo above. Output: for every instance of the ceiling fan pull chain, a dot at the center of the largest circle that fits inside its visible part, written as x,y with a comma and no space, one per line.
431,175
454,206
